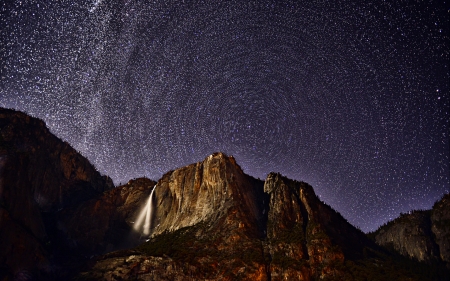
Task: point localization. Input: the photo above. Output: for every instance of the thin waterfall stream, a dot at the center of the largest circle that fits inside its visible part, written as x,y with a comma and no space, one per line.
143,223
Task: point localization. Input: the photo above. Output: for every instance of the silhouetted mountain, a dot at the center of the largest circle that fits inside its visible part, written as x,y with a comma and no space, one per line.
44,184
60,219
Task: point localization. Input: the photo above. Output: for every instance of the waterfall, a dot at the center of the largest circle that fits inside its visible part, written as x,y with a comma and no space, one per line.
143,223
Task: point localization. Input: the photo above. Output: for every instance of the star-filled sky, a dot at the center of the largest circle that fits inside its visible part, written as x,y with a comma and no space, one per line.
349,96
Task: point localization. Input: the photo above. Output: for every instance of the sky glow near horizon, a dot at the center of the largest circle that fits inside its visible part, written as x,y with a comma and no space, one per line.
352,98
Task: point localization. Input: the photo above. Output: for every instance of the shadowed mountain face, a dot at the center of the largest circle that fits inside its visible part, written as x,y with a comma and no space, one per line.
302,228
54,205
60,219
39,176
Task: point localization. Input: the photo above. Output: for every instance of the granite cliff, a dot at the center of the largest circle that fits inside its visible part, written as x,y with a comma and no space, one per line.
423,235
211,221
60,219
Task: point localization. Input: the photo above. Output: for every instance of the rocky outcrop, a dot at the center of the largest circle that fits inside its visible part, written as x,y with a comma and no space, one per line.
212,221
207,221
208,191
423,235
215,210
410,235
306,238
440,226
39,175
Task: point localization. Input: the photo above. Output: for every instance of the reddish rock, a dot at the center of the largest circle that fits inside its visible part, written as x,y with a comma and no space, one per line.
209,191
303,233
214,222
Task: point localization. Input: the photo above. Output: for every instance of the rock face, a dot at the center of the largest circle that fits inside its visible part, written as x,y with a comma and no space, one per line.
214,222
206,221
411,236
305,234
424,235
39,175
208,191
440,226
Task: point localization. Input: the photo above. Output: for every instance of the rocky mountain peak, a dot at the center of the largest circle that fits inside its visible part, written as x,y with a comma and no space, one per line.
205,191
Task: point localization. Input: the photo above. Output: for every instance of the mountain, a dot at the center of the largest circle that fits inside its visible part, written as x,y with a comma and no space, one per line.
60,219
55,207
211,221
423,235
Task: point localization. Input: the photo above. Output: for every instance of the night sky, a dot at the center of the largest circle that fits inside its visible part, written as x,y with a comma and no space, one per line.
351,97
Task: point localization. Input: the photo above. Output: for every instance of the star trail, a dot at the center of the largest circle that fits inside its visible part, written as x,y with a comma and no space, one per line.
350,97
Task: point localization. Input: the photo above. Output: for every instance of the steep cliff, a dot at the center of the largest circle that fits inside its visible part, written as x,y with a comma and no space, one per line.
215,211
208,191
212,222
305,234
423,235
205,221
39,175
410,235
440,226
